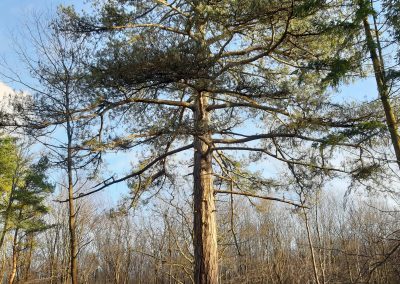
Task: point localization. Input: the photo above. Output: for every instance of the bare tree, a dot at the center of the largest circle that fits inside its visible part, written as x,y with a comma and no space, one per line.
56,116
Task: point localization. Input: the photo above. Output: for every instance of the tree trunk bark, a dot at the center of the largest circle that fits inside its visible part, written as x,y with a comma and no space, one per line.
14,258
383,90
31,238
205,230
7,211
5,227
72,232
72,212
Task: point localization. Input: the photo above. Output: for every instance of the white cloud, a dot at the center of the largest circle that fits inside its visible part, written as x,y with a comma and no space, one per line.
4,89
6,97
10,101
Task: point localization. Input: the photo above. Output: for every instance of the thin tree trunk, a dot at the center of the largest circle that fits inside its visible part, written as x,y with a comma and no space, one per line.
205,230
72,232
321,250
5,226
383,88
14,258
8,209
313,261
53,256
29,258
72,211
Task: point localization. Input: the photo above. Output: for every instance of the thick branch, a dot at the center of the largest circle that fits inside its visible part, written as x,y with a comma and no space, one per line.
275,135
90,28
261,197
250,105
282,159
134,174
151,101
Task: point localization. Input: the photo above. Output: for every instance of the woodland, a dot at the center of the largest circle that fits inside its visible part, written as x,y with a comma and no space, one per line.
203,141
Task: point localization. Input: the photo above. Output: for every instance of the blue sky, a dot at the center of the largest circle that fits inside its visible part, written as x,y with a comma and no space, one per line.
15,13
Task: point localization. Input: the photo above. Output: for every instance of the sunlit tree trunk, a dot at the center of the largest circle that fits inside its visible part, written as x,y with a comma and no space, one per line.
8,209
5,225
205,231
14,257
383,88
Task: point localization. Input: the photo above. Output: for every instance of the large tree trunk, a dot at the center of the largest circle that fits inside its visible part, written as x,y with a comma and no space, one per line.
383,89
205,230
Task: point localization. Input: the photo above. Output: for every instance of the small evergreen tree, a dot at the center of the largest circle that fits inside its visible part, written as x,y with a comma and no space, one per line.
25,187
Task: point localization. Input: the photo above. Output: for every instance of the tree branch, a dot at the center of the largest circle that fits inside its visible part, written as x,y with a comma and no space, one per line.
134,174
261,197
276,135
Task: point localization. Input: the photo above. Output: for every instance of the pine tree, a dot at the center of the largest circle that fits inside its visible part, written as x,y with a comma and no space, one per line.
218,78
24,190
